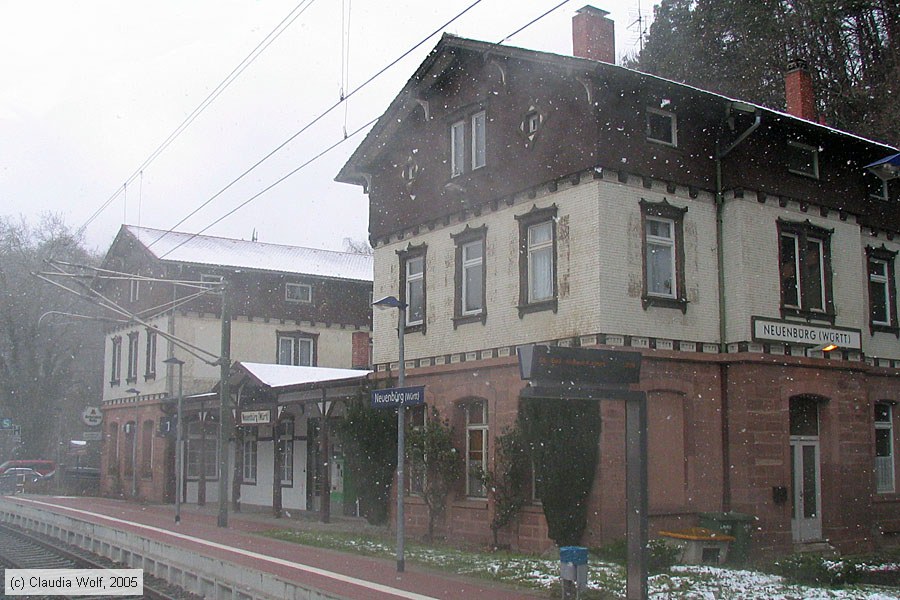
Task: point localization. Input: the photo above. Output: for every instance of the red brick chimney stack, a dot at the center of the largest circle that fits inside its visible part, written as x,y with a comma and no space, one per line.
593,35
798,90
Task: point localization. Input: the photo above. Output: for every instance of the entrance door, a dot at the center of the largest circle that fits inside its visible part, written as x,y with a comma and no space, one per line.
806,519
806,477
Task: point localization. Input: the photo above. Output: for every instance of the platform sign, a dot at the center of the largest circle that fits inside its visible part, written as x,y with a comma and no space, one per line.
394,397
256,417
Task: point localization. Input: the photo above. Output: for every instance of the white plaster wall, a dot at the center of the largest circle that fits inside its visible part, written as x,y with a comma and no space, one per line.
752,280
157,385
599,275
879,345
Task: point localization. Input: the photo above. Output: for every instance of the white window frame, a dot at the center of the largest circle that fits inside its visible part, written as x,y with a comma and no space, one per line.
882,280
884,465
457,148
469,264
533,250
209,281
250,455
150,359
411,279
673,127
303,292
666,242
476,489
823,297
293,343
132,370
479,140
115,375
813,151
285,434
134,290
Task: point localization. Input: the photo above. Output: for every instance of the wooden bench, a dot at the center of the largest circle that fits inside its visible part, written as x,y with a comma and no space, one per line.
699,545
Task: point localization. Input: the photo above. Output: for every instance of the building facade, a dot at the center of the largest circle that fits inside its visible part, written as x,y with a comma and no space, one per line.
287,305
519,197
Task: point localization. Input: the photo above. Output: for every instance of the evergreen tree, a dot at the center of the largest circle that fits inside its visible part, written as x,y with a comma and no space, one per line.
740,48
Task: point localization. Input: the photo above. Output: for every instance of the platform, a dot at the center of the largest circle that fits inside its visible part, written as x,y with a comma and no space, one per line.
235,562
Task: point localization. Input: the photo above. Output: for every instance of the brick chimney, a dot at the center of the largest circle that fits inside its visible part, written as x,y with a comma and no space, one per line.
798,90
593,35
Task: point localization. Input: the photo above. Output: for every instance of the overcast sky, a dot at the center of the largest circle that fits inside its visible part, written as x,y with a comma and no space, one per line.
88,91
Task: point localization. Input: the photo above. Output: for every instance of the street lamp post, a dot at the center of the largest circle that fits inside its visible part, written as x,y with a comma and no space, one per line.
179,440
134,443
392,302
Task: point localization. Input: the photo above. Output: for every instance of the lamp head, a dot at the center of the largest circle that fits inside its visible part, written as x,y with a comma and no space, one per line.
389,302
173,361
133,391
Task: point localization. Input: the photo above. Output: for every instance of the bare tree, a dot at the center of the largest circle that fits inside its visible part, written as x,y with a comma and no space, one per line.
51,362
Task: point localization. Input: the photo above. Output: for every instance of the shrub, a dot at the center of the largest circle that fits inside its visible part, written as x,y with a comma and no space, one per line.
660,555
812,569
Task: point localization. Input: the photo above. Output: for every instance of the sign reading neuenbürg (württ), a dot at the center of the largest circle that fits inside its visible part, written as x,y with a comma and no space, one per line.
394,397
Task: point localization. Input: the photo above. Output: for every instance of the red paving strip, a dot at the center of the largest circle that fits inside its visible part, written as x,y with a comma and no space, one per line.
327,570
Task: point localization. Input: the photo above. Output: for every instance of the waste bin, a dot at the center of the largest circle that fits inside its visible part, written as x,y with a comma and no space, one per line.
738,525
573,571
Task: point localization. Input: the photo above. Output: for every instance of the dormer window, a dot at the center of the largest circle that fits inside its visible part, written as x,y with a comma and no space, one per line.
877,187
662,127
803,159
476,138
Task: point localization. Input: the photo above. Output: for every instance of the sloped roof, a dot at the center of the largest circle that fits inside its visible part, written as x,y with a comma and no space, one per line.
442,58
225,252
289,376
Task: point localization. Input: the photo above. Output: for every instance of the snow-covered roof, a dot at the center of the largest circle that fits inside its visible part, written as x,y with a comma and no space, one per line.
282,376
225,252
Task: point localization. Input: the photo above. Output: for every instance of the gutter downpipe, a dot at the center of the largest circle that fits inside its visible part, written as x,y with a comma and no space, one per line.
723,321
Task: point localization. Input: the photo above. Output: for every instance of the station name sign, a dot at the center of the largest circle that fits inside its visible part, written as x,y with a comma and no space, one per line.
256,417
800,333
579,365
394,397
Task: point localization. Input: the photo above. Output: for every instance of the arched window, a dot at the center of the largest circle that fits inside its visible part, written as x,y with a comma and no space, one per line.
476,447
112,453
884,448
130,433
147,449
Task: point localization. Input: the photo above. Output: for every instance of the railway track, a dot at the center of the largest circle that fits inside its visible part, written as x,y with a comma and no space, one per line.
20,549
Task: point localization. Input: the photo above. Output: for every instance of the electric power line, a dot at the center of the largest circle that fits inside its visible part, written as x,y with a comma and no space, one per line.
310,124
317,119
229,79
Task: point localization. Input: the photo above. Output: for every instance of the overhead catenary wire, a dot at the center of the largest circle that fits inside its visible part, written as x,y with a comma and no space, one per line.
270,186
303,129
223,85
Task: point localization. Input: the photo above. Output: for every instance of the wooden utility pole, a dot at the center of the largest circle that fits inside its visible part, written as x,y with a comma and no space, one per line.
225,417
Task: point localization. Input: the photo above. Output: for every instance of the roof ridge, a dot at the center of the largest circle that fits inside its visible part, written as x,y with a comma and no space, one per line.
219,237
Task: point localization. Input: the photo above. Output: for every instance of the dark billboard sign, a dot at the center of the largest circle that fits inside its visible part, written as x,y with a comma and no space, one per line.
588,366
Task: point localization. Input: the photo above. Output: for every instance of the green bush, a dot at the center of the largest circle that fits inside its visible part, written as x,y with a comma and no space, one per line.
660,556
812,569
